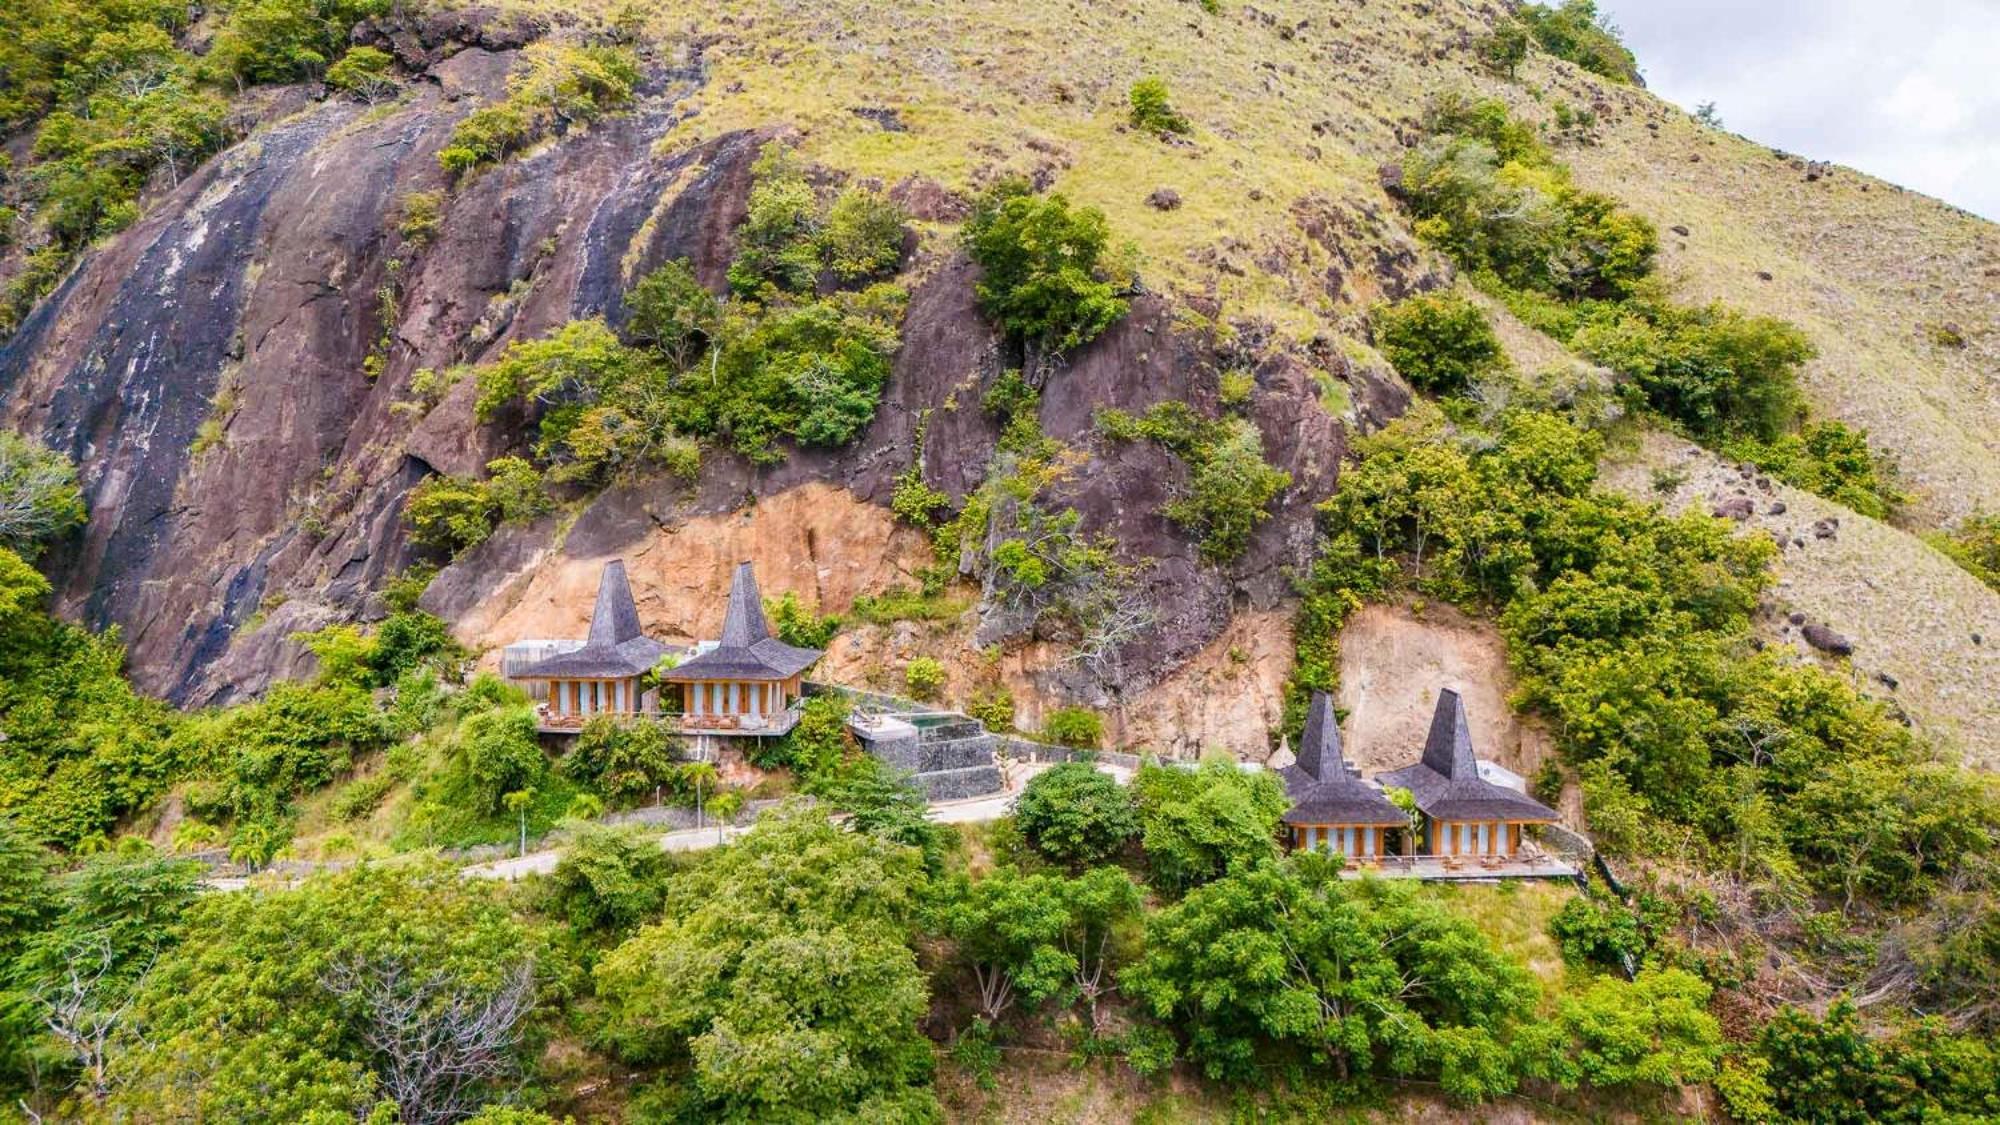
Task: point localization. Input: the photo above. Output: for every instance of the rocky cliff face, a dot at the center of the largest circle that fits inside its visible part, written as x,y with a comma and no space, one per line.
245,478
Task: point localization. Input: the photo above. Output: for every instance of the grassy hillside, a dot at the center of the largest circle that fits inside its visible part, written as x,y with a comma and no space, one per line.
1295,105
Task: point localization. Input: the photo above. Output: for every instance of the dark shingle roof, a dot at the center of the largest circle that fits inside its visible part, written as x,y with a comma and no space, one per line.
1446,782
1323,789
616,648
747,650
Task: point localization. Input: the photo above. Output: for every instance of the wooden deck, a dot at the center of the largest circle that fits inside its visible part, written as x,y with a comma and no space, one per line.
746,726
1527,865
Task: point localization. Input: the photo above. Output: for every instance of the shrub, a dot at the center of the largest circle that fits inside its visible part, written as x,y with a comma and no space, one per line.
1152,110
1827,459
1574,30
794,624
1439,342
421,217
673,313
39,497
1076,816
624,761
1042,276
1230,486
1230,493
1973,545
993,708
555,84
364,73
1485,189
1077,727
778,243
924,677
1714,370
863,239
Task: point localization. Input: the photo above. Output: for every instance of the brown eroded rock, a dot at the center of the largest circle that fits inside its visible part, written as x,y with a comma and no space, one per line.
816,541
1392,664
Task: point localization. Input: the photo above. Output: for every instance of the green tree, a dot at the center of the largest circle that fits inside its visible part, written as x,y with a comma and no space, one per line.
1655,1030
1008,928
863,239
1505,48
496,753
1370,979
1075,815
608,880
408,985
673,313
1440,342
363,72
780,977
1230,493
1042,275
1575,30
1200,824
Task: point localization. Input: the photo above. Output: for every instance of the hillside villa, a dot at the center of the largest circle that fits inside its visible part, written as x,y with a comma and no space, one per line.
1463,813
748,683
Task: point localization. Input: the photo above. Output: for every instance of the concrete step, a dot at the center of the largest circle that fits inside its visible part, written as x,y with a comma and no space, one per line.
954,785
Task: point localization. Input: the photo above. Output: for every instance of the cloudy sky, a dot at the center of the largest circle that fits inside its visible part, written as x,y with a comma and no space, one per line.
1908,92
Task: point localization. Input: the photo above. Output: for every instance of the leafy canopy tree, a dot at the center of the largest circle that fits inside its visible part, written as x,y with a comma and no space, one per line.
408,986
1043,276
75,977
1440,342
1076,816
1008,929
608,881
780,978
1200,824
1576,31
1287,961
1654,1030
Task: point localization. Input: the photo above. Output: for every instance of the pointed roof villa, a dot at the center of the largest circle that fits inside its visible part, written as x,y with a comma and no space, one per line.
1446,782
617,647
747,650
1323,787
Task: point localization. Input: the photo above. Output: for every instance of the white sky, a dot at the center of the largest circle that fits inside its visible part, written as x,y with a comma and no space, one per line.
1906,91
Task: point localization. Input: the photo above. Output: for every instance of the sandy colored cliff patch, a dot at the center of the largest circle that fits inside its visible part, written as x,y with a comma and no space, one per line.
1230,697
817,541
1393,661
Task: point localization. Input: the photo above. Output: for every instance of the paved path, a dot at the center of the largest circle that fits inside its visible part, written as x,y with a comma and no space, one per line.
975,810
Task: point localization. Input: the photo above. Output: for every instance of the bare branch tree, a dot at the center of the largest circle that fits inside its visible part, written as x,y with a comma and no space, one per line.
84,1005
438,1039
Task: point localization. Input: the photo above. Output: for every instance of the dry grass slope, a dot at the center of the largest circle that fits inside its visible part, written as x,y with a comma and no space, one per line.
1911,614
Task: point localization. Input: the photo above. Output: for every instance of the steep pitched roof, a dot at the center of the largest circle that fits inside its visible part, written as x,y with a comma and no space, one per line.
1324,789
617,646
747,650
1446,781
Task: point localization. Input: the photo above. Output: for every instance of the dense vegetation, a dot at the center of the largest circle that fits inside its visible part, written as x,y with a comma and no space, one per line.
798,351
1230,486
1577,266
116,102
1786,811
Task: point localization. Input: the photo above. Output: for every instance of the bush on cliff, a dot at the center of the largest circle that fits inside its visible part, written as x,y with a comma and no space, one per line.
1045,276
